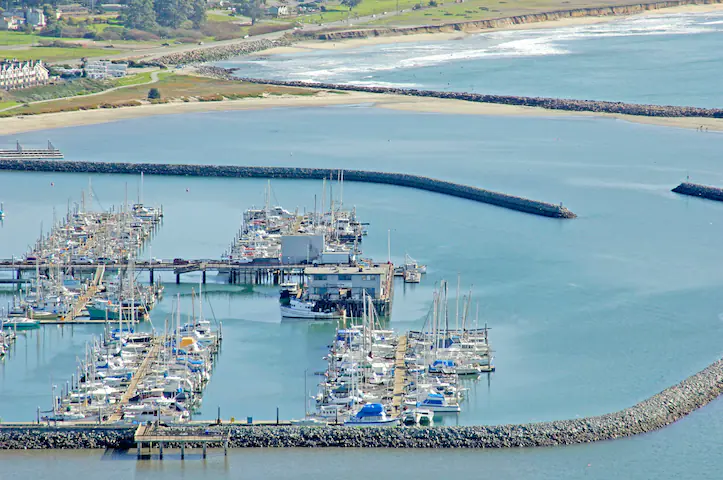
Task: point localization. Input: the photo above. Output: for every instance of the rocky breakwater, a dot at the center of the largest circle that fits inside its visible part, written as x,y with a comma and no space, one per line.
595,106
64,437
654,413
220,52
504,22
703,191
400,179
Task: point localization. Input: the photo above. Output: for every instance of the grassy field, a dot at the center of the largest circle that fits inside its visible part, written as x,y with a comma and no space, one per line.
52,54
7,104
171,86
336,11
17,38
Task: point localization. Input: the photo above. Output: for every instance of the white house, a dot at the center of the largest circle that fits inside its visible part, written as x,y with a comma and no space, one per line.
102,69
11,22
15,74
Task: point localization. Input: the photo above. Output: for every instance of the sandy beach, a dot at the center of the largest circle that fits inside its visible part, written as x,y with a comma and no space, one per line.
444,36
14,125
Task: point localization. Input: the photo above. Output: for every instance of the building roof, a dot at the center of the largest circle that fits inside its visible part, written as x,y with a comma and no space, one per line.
344,270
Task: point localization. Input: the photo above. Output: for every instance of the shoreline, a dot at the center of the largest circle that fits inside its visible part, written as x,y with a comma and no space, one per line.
30,123
391,35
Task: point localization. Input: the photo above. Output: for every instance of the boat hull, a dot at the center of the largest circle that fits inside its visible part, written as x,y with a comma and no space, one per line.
288,312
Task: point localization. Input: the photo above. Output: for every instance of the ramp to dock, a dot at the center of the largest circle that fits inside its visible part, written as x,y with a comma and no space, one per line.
400,376
85,297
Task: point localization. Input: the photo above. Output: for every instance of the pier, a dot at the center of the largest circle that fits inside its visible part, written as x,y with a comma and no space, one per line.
22,153
149,435
400,376
419,182
85,297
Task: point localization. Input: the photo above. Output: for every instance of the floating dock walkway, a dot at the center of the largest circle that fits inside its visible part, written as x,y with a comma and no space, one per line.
148,436
419,182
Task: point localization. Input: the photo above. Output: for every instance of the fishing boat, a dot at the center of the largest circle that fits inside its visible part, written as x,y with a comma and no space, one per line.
310,310
19,323
372,415
412,276
2,212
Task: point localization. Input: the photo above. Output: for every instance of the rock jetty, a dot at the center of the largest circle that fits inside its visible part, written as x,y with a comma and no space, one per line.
570,105
503,22
218,53
654,413
703,191
511,202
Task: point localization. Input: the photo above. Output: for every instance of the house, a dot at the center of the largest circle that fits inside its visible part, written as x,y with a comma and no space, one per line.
278,11
102,69
35,18
15,74
11,22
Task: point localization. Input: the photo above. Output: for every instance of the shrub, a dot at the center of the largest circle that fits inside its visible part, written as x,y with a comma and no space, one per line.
154,94
139,35
268,28
210,98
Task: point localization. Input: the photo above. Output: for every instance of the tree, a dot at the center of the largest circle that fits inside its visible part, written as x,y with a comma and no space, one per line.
154,94
198,13
350,3
254,9
172,13
140,15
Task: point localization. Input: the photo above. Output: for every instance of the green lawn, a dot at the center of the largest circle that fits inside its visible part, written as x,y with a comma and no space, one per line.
17,38
336,11
219,16
4,105
51,54
137,79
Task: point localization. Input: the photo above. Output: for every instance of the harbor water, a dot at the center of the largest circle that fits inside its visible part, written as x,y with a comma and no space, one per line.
588,315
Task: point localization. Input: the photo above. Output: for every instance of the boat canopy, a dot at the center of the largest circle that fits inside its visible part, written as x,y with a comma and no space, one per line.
370,410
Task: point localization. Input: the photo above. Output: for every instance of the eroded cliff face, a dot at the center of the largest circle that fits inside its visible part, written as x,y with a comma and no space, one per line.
479,25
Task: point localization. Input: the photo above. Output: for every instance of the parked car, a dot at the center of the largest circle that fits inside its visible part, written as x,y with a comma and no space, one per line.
179,261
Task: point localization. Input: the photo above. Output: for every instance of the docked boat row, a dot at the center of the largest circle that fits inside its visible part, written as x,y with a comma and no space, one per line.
131,376
272,235
87,237
376,378
106,243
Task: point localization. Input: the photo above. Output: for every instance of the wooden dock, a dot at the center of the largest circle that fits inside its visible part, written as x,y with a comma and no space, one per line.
149,435
400,376
139,373
85,297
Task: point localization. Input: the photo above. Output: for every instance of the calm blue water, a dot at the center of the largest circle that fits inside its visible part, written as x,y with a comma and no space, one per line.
588,316
659,59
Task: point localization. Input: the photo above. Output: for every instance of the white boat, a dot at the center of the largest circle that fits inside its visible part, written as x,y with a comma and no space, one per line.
19,323
372,415
301,309
412,276
418,416
438,403
309,422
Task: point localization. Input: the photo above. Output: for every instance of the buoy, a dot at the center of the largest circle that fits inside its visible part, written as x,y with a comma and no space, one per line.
186,190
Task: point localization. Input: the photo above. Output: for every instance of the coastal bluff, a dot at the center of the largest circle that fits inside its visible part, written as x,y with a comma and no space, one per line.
473,26
651,414
419,182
